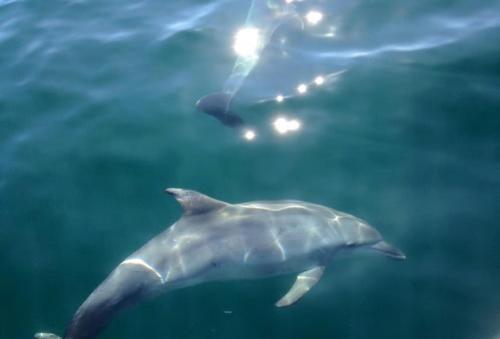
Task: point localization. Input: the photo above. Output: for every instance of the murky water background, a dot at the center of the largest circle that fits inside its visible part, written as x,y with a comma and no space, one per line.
97,117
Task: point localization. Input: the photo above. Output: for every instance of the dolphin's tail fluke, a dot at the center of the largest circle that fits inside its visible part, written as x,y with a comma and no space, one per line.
43,335
388,250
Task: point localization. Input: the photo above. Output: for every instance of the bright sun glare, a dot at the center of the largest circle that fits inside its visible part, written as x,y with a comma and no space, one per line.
314,17
283,125
247,42
249,135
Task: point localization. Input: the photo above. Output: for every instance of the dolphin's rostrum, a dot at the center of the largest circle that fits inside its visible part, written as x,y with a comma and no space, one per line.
215,240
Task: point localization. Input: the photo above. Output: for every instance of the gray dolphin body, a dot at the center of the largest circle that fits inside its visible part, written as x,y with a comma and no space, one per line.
215,240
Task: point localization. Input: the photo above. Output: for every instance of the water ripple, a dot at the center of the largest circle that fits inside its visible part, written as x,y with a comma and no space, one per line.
444,31
188,19
8,2
429,43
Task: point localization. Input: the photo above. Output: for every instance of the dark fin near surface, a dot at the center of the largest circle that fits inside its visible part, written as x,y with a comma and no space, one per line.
194,202
217,105
389,250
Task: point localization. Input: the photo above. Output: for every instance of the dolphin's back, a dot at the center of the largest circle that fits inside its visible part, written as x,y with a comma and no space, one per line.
337,227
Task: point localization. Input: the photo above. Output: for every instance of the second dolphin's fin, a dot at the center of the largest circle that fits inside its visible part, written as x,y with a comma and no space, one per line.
194,202
304,282
217,105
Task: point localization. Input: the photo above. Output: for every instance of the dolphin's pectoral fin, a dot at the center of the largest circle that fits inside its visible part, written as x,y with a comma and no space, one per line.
304,282
194,202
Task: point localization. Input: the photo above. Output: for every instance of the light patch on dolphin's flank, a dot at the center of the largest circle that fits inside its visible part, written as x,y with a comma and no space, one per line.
185,240
247,255
278,244
43,335
273,209
180,260
359,229
346,238
167,276
335,225
314,236
140,262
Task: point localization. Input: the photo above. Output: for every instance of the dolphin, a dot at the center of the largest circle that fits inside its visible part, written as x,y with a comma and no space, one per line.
215,240
264,17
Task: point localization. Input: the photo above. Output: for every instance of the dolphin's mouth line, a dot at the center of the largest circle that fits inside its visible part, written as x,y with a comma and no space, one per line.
140,262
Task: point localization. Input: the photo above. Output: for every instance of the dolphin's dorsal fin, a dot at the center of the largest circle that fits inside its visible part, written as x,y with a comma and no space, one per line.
194,203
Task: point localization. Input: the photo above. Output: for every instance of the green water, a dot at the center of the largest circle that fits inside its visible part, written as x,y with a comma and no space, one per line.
97,118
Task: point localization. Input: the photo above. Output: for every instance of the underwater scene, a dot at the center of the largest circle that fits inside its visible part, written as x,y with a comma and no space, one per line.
251,169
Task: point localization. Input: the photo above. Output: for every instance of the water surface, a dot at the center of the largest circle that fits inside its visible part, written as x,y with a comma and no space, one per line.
97,117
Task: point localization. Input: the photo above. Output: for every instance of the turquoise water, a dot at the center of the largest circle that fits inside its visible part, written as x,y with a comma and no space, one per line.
97,117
